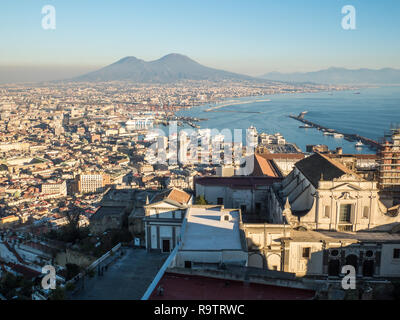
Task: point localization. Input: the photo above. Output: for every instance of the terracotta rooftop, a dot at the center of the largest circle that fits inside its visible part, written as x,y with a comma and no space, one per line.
264,167
173,194
238,182
193,287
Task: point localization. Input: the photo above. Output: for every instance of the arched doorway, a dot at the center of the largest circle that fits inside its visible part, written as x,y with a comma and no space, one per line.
334,267
352,260
274,262
256,260
368,268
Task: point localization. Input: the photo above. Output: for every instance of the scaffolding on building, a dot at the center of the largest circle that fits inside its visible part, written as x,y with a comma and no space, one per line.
389,162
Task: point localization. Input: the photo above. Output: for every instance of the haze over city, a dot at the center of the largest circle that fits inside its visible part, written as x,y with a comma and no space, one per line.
252,37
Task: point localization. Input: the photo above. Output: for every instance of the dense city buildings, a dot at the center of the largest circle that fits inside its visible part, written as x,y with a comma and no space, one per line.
87,175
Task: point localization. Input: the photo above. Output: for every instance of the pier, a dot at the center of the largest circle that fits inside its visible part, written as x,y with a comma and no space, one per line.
233,103
348,136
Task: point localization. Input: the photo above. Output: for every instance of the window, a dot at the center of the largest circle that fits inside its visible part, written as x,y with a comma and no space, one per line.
345,213
327,211
366,212
334,253
369,253
188,264
166,245
226,217
396,253
258,207
275,268
306,252
220,201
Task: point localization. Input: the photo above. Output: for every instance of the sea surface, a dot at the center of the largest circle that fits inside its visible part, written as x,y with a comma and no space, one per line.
368,112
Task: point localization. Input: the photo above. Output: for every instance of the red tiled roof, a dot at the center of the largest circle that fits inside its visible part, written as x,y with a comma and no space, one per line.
26,272
263,167
173,194
243,182
190,287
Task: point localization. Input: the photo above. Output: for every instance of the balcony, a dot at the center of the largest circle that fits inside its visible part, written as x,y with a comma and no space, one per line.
345,227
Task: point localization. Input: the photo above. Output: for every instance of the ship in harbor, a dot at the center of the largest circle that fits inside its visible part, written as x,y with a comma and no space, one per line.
338,135
359,144
331,132
302,114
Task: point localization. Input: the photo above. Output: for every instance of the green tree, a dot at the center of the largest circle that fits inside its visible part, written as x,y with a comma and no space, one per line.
200,200
57,294
72,270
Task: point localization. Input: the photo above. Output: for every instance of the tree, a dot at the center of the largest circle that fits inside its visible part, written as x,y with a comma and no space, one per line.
57,294
200,200
72,270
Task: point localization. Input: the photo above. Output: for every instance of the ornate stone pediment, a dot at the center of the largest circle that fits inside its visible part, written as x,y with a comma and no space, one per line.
346,196
346,186
348,177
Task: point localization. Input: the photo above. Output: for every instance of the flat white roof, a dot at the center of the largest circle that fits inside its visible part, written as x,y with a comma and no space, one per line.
205,230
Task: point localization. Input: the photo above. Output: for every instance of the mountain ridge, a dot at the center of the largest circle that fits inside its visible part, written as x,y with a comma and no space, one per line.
338,75
169,68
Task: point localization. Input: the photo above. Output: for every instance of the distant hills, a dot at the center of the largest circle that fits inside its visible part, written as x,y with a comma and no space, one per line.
170,68
177,67
340,76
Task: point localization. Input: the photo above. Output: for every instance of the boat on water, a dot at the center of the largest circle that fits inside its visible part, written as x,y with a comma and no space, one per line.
338,135
359,144
327,133
305,126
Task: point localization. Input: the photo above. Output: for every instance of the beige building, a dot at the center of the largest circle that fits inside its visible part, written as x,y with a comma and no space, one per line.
163,219
55,188
92,182
323,253
107,218
9,220
322,193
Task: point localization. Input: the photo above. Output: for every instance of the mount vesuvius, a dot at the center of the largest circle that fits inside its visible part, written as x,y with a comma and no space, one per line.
170,68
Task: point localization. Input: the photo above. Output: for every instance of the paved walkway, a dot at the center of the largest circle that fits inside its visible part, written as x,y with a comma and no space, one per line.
125,279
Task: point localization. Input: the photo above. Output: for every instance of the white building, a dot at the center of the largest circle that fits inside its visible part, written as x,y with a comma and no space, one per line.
55,188
163,219
140,122
210,237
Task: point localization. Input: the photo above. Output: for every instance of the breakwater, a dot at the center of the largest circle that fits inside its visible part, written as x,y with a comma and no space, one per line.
349,136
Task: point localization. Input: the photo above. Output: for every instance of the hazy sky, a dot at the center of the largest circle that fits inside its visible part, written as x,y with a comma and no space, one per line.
246,36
